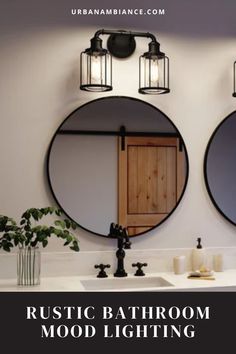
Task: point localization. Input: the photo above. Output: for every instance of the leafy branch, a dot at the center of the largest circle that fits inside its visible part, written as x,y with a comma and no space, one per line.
28,235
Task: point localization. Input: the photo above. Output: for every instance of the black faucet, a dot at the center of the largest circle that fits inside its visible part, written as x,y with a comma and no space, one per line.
123,242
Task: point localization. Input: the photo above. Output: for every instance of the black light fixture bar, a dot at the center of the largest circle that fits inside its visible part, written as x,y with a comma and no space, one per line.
120,32
234,78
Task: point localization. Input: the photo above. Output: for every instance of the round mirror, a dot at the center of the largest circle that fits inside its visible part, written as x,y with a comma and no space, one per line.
220,167
117,159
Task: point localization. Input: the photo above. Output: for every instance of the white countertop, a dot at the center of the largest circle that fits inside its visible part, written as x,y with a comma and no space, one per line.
224,281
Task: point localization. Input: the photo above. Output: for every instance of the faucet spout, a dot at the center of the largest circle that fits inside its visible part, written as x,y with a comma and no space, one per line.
127,243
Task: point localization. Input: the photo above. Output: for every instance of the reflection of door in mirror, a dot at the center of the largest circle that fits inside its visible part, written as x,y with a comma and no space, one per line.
151,179
84,157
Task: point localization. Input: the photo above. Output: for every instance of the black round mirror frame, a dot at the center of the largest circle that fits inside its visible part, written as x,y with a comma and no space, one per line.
134,99
205,168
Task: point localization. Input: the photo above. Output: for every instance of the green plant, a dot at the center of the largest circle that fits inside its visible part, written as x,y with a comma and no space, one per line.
30,234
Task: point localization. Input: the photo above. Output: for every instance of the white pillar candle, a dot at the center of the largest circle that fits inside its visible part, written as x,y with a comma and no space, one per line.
179,264
218,262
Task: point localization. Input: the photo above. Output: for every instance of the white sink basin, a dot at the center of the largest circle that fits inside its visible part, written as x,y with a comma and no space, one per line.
125,283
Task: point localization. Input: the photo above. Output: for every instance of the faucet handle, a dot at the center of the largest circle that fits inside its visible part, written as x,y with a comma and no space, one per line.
139,271
102,273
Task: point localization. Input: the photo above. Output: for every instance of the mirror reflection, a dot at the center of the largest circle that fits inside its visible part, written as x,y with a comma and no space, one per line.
117,159
220,168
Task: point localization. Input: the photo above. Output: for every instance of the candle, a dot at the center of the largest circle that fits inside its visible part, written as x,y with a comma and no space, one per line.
179,264
218,262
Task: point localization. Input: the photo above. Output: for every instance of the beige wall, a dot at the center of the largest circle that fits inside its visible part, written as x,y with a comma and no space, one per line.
39,87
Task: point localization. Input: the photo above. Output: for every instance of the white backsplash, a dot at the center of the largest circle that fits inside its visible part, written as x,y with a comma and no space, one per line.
82,263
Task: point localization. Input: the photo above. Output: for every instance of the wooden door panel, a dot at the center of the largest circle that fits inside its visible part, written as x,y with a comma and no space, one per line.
181,172
171,178
136,230
140,184
132,188
151,179
144,219
161,180
154,189
150,141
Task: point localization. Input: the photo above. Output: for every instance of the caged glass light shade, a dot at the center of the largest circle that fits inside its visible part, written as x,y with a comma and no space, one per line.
95,68
154,71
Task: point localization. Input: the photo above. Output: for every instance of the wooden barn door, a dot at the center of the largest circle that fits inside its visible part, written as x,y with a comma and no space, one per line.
151,179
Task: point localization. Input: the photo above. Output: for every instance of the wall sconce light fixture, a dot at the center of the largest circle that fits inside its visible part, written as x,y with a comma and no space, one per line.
234,78
96,62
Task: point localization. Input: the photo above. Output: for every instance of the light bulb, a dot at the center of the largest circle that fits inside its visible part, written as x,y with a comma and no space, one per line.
96,74
154,74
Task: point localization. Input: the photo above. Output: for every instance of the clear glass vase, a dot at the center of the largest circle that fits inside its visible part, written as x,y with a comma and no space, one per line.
28,266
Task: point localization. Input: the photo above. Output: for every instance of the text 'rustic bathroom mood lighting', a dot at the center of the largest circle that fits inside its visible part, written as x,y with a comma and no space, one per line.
96,62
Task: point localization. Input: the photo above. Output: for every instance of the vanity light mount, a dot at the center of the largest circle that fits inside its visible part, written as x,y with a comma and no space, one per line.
234,78
96,62
121,45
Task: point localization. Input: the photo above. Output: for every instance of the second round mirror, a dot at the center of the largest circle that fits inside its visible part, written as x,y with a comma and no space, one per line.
220,168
